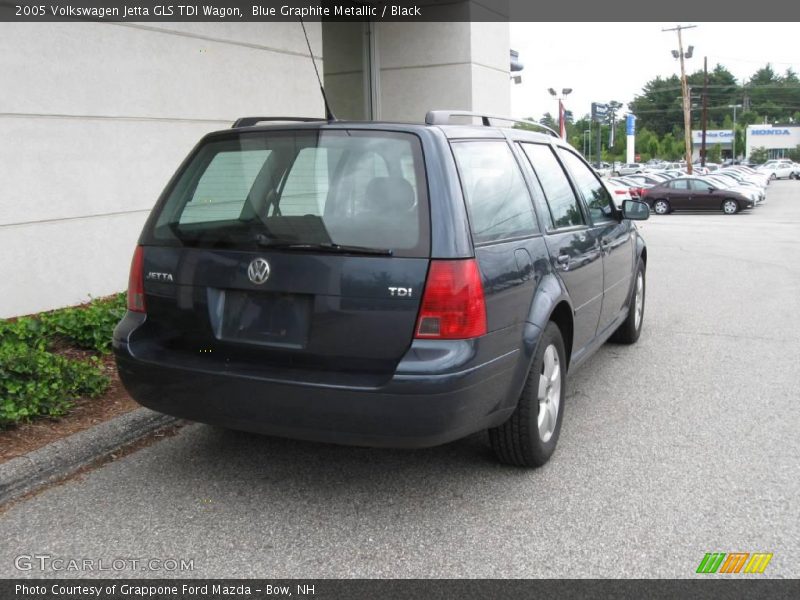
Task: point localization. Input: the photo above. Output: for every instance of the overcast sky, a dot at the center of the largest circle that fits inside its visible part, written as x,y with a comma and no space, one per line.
613,61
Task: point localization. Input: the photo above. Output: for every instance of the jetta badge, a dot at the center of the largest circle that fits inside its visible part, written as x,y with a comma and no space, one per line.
258,271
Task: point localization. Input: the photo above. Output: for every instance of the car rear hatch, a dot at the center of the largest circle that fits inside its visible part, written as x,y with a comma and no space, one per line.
289,253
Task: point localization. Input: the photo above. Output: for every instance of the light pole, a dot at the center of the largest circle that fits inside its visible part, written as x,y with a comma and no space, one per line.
733,143
562,126
687,121
585,131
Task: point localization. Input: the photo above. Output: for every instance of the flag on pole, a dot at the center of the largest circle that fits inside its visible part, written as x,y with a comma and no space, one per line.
562,120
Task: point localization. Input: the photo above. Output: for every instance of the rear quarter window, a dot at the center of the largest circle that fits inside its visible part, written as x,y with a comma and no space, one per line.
498,201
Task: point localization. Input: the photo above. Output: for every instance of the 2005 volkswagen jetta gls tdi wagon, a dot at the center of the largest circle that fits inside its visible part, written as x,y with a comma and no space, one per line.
379,284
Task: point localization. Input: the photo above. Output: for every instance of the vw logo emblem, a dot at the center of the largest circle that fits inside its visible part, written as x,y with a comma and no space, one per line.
258,271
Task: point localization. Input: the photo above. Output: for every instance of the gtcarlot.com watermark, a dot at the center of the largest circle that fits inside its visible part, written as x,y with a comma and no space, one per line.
58,564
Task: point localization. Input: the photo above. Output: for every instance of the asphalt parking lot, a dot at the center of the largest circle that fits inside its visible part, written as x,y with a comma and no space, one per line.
683,444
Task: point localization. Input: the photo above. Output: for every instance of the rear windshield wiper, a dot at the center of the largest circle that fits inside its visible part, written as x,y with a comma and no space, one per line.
322,247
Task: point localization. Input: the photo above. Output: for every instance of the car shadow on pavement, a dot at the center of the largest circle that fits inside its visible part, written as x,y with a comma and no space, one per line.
230,464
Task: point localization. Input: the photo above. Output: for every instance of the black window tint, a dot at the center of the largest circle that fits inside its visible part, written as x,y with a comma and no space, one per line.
498,201
594,192
560,197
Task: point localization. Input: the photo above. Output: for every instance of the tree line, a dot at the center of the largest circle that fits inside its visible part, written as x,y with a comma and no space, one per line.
766,97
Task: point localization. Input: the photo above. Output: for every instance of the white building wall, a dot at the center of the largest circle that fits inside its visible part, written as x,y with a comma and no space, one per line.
776,138
95,118
425,66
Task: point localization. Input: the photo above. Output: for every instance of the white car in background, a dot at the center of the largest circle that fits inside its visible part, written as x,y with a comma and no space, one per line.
619,192
603,170
778,169
629,169
749,174
748,191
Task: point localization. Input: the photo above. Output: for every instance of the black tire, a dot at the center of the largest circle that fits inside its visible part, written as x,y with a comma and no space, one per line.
664,203
518,441
773,176
629,331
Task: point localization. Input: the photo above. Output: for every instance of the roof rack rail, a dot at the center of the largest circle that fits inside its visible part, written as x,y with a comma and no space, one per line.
250,121
442,117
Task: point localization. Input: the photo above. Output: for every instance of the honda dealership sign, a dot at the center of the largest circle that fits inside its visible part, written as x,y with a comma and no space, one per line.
777,139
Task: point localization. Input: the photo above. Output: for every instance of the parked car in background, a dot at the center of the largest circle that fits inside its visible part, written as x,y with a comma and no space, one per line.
634,188
619,192
778,169
747,174
721,182
648,178
380,284
629,169
692,193
603,169
739,178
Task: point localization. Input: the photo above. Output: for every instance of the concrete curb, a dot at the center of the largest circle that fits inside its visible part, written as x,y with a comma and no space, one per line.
64,457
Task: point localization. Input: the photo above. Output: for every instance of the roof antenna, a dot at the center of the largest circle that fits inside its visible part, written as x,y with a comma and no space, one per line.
328,112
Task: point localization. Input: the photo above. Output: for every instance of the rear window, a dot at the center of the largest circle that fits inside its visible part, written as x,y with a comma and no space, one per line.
350,188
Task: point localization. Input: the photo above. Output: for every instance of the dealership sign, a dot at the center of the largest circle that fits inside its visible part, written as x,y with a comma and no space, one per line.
770,132
713,136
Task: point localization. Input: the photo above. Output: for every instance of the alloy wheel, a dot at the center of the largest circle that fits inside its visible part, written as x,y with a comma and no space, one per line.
549,393
639,301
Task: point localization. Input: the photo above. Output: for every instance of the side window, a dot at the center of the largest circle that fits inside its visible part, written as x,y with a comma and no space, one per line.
222,190
595,194
699,186
561,198
680,184
497,199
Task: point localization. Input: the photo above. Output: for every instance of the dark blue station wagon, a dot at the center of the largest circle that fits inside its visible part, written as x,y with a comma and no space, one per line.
380,284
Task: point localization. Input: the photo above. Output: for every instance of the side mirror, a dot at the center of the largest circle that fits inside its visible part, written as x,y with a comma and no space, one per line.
635,210
711,189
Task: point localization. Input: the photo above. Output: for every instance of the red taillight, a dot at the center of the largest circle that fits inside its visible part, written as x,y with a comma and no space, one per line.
453,306
136,282
620,192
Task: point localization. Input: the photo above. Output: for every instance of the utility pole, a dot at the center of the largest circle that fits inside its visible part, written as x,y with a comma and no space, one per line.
733,144
705,111
687,122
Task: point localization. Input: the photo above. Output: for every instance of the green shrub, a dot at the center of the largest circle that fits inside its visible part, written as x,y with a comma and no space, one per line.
89,326
36,382
25,329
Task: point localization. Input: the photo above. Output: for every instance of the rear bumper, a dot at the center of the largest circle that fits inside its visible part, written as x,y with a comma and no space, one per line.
411,410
